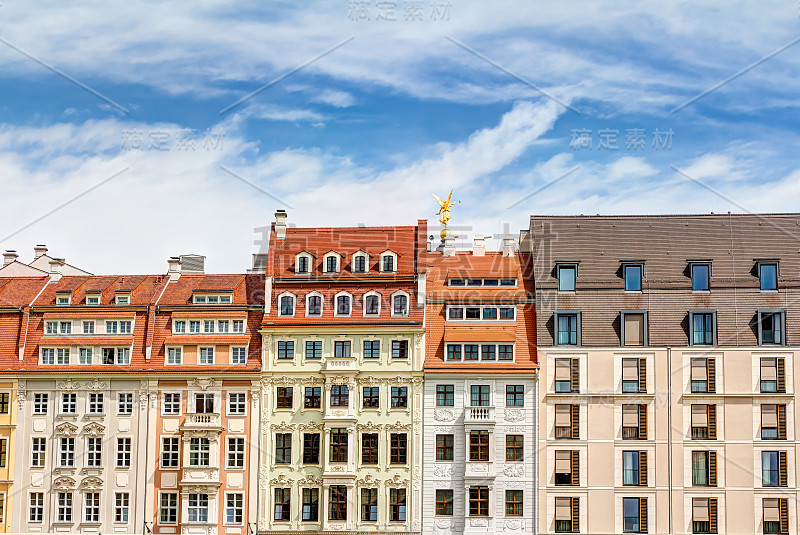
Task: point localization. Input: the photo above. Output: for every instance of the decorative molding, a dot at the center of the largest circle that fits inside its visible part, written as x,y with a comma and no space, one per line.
398,426
479,522
66,429
515,525
266,383
337,468
313,380
69,385
94,429
283,381
311,426
443,470
400,380
283,426
203,383
368,481
514,415
92,483
21,393
340,380
195,489
281,480
64,483
369,426
514,470
96,385
263,473
397,481
515,429
210,434
444,415
369,381
310,480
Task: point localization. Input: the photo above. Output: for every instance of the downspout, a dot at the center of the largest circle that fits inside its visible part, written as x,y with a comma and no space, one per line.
669,435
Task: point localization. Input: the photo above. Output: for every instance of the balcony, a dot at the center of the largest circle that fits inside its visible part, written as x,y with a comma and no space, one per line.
200,475
479,415
201,420
340,365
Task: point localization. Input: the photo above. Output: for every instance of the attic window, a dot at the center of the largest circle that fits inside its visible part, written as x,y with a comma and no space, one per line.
303,264
388,262
93,299
212,299
123,299
63,299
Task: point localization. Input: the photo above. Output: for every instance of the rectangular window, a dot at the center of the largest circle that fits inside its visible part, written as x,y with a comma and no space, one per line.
199,452
238,326
701,277
51,327
515,396
702,328
179,327
700,469
768,276
369,448
91,507
488,352
314,349
566,516
566,329
123,453
206,355
479,445
310,512
283,448
772,513
453,352
40,402
630,422
337,502
372,305
703,427
313,397
567,467
633,277
513,503
773,422
371,397
208,326
125,403
455,313
284,397
479,501
444,502
400,305
85,355
505,352
372,349
285,350
566,274
95,403
369,505
174,355
444,447
172,404
340,396
36,511
282,505
63,300
170,452
399,397
479,395
339,439
198,508
223,326
634,331
771,327
632,520
703,375
397,505
48,356
772,374
235,453
343,305
194,326
237,404
238,355
204,403
514,448
62,356
65,507
112,327
94,447
234,508
69,403
445,395
490,313
470,351
566,424
399,349
702,515
122,503
65,327
473,313
168,508
631,374
311,443
287,305
341,349
66,453
398,448
566,375
38,452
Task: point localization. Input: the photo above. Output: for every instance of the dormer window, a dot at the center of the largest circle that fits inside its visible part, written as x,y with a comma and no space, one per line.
400,304
302,264
372,304
286,304
314,304
63,299
93,299
332,263
122,299
360,262
566,274
343,304
632,273
388,262
701,276
212,299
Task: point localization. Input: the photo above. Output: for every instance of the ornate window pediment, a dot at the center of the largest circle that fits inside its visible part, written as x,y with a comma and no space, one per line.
94,429
64,483
66,429
92,483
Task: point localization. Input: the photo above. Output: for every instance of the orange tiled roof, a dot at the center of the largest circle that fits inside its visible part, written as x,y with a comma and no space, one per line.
207,339
110,340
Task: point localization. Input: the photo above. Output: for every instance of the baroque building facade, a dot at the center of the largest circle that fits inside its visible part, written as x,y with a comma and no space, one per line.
343,345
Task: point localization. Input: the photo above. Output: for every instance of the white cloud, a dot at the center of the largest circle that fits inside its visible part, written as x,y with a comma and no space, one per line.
338,99
277,113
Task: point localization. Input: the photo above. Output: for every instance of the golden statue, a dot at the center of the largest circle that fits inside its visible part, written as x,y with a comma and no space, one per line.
444,212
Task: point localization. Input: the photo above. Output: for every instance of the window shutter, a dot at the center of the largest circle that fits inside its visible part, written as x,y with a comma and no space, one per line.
642,515
575,383
576,515
642,375
563,415
576,423
563,508
781,365
642,422
576,466
783,470
712,422
643,468
784,508
712,514
712,468
711,372
781,422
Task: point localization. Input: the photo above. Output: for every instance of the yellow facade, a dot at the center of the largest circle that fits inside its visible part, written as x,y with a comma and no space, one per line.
8,426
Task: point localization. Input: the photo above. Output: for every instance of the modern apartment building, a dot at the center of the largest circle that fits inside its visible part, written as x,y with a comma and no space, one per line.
667,347
343,346
480,391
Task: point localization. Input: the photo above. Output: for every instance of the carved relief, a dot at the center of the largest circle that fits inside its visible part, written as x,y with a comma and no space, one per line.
397,426
369,426
281,480
513,524
515,429
337,468
94,429
96,385
310,480
263,473
514,415
444,415
311,426
514,470
283,381
479,522
283,427
92,483
203,383
21,393
443,470
68,385
369,381
368,481
397,481
64,483
66,429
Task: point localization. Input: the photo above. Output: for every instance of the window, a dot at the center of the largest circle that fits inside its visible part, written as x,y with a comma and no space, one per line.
65,507
455,313
774,469
125,403
198,507
701,277
337,502
170,452
341,349
311,448
776,515
566,274
174,355
400,305
199,451
88,327
331,264
567,467
125,327
206,355
92,508
633,375
168,510
238,326
566,421
369,505
94,447
371,397
234,508
343,305
235,453
567,514
65,327
314,349
40,403
515,396
473,313
287,305
399,397
112,327
123,453
282,504
479,445
369,448
223,326
507,313
704,515
771,323
397,505
238,355
773,374
122,502
284,397
768,276
92,300
372,349
204,403
314,305
567,328
372,305
445,395
513,503
359,264
302,264
69,403
95,403
479,395
633,277
773,422
122,299
62,356
444,447
123,356
51,327
702,327
310,511
172,404
313,397
388,263
703,375
514,448
704,418
566,375
490,313
339,445
453,352
340,396
399,349
285,350
36,511
38,452
63,300
505,352
283,448
66,453
479,501
179,327
444,502
48,356
634,331
634,515
194,326
488,352
398,448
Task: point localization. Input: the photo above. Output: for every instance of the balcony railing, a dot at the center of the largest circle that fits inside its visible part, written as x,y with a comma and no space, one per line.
479,414
203,419
344,364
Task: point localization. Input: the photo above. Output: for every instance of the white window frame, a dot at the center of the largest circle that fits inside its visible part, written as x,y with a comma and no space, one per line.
176,508
112,327
229,404
40,455
240,508
175,324
179,352
321,305
209,326
338,262
364,304
73,403
127,404
122,507
126,454
294,304
200,351
122,356
235,323
384,254
93,299
232,349
51,327
63,352
164,405
42,401
95,400
308,257
243,452
60,297
38,508
408,303
336,304
125,327
122,299
176,455
227,326
51,356
359,254
88,327
95,507
64,327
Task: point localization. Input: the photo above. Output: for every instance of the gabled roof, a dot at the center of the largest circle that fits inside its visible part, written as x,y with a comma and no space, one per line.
18,269
43,263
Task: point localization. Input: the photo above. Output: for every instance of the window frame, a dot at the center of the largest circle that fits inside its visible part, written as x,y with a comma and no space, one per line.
692,265
625,266
559,313
761,264
567,265
760,313
287,297
704,311
645,327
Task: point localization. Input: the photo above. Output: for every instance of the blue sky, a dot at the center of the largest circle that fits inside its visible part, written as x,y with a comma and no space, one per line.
482,98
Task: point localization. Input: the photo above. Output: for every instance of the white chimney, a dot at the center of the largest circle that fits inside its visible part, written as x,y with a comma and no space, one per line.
479,245
9,256
449,245
280,224
39,250
174,270
56,269
509,245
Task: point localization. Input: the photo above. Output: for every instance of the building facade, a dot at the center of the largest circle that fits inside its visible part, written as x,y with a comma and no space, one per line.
480,392
343,346
667,348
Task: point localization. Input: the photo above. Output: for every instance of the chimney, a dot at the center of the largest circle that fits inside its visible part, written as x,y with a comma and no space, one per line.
449,245
280,224
193,263
56,269
509,245
479,245
9,256
39,250
174,270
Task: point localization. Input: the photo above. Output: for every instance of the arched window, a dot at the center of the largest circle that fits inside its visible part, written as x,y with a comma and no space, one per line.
400,304
314,307
286,305
343,305
372,304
